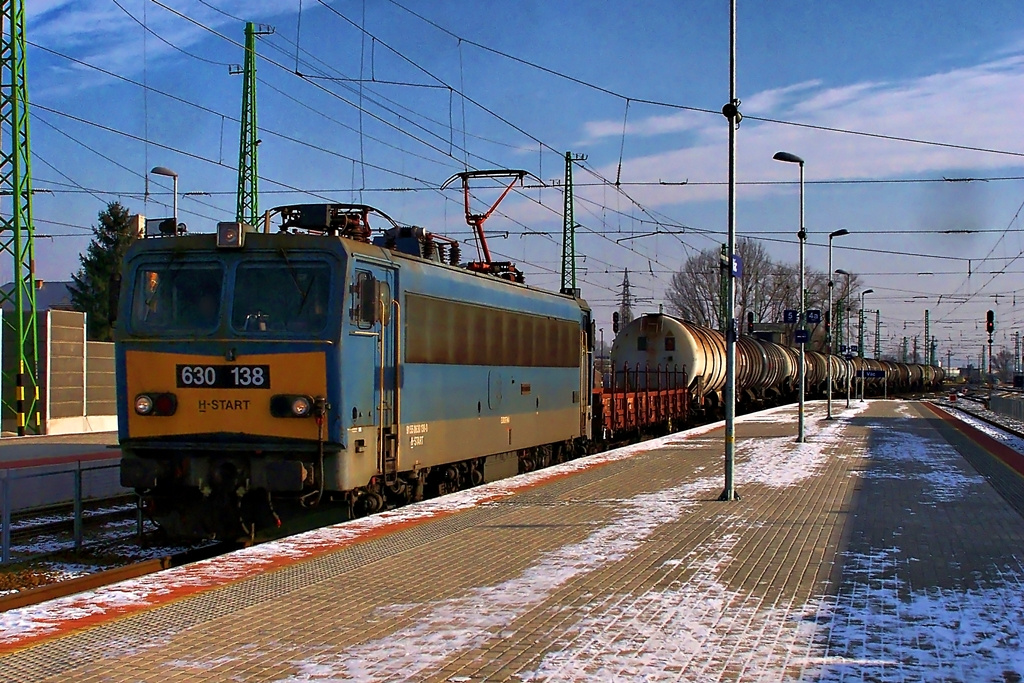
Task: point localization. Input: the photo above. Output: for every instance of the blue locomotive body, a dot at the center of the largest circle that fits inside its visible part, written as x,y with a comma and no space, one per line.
328,367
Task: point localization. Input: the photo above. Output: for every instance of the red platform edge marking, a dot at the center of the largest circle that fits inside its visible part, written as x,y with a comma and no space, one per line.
1007,455
212,575
112,454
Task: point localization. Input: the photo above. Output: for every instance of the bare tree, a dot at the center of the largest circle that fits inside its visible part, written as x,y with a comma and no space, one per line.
767,288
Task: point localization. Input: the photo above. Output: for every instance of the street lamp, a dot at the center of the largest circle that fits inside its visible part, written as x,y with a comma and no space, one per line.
860,337
828,330
860,332
845,336
802,235
164,171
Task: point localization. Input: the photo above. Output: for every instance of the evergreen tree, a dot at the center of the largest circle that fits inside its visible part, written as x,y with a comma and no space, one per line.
101,265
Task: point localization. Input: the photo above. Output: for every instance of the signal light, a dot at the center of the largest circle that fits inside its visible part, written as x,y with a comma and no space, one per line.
990,321
615,322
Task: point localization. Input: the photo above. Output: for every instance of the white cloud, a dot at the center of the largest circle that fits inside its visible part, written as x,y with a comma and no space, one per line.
970,106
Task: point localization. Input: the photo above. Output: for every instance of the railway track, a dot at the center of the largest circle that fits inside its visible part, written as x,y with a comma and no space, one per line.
26,524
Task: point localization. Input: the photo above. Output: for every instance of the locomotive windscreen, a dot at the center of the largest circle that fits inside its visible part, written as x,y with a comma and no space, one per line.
177,298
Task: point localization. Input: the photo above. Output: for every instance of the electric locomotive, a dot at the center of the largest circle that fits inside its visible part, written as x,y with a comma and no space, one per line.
260,372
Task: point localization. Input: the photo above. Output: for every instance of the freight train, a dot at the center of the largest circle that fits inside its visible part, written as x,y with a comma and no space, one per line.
262,373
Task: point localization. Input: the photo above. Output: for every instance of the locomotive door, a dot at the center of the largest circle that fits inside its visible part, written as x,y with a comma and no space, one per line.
373,355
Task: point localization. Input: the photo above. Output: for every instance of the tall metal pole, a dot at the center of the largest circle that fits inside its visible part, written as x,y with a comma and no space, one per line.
802,235
17,228
569,228
248,210
828,335
732,114
831,319
878,334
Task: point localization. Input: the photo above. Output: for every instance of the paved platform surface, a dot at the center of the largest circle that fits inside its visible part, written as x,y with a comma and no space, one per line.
874,552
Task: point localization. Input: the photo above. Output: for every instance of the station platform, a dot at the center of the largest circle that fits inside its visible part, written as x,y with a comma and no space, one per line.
39,471
875,551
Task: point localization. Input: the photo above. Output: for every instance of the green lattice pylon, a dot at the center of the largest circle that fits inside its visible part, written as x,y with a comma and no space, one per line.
248,177
19,393
569,229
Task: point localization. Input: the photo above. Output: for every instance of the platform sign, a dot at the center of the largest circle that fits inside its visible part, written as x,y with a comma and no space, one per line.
737,266
814,316
850,356
871,374
789,316
800,336
843,348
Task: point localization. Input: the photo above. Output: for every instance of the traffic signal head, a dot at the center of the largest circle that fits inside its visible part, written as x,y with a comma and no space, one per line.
990,321
615,322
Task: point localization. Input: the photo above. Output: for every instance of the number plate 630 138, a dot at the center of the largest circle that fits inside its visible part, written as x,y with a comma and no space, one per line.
223,376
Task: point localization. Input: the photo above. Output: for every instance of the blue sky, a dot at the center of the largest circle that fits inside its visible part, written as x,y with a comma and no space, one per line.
948,72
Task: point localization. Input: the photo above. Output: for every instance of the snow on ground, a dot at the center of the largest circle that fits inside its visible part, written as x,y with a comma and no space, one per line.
470,621
778,463
1005,438
899,454
467,622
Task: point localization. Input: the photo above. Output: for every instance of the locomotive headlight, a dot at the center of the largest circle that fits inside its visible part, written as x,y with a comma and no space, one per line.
143,404
291,405
300,406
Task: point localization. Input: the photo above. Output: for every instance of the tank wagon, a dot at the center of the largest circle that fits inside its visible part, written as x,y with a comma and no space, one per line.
765,372
260,373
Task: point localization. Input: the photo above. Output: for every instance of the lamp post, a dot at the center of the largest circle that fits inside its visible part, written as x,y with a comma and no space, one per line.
802,235
845,336
860,332
164,171
860,337
828,330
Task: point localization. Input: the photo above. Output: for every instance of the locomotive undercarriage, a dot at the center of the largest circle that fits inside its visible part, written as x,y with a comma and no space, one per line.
251,496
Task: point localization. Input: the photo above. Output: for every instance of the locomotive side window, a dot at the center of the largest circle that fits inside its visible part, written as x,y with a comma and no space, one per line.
641,343
177,298
287,297
370,301
447,332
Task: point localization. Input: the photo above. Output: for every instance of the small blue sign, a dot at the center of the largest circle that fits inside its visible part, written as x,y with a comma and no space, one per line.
849,356
876,374
843,348
737,266
814,316
800,336
789,316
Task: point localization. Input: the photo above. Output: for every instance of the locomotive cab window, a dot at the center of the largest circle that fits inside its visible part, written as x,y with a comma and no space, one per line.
177,297
281,297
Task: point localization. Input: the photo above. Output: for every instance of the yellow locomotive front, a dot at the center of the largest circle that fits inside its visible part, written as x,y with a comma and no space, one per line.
224,358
